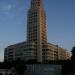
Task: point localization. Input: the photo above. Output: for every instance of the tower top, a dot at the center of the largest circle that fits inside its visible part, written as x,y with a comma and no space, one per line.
36,3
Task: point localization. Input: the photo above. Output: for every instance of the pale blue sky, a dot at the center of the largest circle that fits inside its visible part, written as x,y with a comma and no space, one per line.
60,22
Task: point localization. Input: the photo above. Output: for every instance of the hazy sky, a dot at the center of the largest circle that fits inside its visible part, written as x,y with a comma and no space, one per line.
60,22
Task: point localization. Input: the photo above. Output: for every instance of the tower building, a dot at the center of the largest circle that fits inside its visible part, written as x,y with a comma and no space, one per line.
36,27
36,46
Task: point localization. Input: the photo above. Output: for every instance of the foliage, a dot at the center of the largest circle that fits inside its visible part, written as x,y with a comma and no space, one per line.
73,54
69,65
19,66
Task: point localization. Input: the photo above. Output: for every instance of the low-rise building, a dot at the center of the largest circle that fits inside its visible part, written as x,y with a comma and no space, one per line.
26,51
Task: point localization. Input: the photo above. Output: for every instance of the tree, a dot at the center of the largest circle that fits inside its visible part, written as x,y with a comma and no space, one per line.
20,66
73,54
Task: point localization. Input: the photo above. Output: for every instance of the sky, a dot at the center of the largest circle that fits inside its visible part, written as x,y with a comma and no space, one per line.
60,18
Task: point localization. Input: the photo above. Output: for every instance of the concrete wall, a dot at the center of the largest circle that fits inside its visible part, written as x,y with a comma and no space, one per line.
43,69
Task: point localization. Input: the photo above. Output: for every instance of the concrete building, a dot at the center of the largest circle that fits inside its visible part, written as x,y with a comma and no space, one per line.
26,51
36,46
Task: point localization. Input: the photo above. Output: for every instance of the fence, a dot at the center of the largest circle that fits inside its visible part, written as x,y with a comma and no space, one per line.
43,69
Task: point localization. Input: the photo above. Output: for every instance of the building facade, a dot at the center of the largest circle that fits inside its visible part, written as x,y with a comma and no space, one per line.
36,26
26,51
36,46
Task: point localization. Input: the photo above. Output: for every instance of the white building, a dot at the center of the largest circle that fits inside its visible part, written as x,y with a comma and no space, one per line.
36,46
